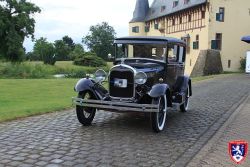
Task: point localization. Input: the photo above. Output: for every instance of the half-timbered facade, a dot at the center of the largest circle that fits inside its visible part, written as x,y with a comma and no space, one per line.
203,24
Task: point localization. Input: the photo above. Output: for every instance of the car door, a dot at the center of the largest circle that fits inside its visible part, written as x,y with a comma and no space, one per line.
180,66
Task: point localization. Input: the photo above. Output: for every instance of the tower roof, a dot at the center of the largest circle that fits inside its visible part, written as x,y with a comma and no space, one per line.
141,11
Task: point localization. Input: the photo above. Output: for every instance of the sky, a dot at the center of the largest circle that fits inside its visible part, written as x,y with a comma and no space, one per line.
74,17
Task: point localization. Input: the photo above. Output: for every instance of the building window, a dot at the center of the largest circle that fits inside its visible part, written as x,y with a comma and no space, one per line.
175,3
187,41
180,20
163,8
190,62
147,28
221,15
219,40
156,26
173,22
203,14
135,29
197,37
229,64
189,18
196,43
153,11
217,43
186,1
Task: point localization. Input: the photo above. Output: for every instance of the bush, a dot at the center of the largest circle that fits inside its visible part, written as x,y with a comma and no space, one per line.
38,70
242,64
90,60
22,70
51,60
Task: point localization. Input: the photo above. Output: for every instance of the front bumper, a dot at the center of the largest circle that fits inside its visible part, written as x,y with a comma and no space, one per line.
115,106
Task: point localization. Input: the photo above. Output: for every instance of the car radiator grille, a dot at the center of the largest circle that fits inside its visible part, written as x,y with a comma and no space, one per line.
121,92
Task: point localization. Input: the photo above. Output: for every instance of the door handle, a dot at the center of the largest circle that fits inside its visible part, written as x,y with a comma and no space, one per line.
181,65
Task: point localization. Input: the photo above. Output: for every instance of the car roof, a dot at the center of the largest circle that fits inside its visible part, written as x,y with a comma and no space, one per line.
148,40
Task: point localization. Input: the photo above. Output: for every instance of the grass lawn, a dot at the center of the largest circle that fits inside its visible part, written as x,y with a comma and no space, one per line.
25,97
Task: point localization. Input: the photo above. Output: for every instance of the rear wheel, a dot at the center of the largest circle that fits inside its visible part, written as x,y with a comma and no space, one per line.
185,105
85,115
158,119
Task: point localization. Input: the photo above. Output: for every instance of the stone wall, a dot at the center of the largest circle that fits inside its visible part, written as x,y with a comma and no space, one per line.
208,63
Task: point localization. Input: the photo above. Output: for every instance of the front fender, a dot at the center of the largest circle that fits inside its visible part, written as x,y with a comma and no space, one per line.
84,84
158,90
88,84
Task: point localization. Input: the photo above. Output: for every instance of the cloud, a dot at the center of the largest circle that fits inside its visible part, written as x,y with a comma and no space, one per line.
73,18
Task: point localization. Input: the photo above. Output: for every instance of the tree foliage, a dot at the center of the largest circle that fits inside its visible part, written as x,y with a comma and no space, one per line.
62,50
100,39
69,42
45,51
16,23
77,52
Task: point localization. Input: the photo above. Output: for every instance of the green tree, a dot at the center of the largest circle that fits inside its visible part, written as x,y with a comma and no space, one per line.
45,51
100,39
69,42
16,23
77,52
62,50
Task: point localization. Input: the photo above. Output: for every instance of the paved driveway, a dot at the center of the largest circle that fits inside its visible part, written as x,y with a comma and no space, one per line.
122,139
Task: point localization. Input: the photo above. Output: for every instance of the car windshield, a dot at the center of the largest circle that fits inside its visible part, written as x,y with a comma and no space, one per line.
157,52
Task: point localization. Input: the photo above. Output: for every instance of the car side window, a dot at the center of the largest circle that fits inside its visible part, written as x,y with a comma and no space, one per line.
159,53
172,53
181,54
154,52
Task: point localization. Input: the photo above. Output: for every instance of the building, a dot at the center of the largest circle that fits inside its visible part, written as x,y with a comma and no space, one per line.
203,24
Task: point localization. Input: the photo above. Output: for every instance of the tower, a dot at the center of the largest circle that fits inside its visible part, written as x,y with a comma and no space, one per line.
137,24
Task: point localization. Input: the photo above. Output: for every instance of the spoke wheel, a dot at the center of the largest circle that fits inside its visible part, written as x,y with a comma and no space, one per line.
158,119
85,115
185,105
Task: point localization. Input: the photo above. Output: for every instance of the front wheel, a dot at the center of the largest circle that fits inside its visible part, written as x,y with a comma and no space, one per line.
85,115
158,119
184,106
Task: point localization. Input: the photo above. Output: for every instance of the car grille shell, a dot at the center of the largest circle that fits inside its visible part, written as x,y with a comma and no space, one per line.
121,73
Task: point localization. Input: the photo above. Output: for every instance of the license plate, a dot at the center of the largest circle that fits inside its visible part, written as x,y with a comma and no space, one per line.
120,83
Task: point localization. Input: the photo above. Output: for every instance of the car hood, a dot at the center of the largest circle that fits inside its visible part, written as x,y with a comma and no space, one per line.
147,67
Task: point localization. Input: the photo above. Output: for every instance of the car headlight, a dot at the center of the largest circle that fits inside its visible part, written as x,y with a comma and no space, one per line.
141,78
100,75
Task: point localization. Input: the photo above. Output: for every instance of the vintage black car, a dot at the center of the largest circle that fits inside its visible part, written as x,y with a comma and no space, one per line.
147,77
